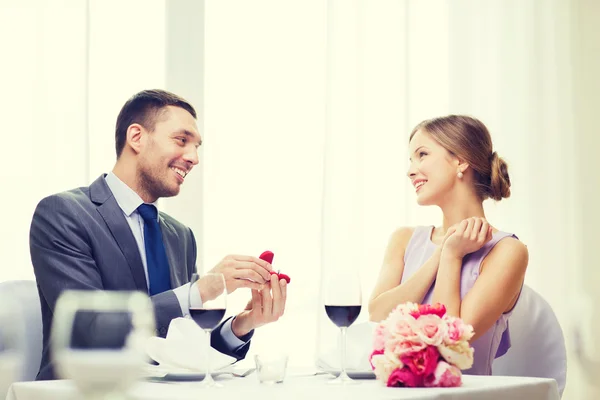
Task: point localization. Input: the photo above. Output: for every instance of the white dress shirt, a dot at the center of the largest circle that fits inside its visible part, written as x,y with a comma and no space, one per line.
129,201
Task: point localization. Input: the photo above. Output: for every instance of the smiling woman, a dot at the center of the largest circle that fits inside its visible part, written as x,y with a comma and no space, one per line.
442,142
475,270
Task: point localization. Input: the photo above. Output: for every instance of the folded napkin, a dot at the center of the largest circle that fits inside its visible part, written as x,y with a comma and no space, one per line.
359,346
184,348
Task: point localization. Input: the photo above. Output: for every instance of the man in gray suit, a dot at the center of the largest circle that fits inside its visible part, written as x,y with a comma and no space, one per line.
101,237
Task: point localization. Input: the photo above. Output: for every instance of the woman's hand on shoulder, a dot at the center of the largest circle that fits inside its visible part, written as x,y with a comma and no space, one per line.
449,233
466,237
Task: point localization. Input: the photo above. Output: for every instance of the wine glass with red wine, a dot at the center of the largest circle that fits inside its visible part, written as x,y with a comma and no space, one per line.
343,301
207,310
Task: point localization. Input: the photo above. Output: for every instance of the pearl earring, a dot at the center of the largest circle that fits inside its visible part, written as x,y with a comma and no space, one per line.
460,175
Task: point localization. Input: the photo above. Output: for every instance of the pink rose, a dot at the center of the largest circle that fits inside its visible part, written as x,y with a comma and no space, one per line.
374,353
405,327
405,308
401,347
379,337
401,377
457,330
402,335
431,329
422,363
428,309
445,375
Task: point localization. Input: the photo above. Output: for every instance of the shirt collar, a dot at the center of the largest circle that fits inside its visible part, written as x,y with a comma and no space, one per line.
125,196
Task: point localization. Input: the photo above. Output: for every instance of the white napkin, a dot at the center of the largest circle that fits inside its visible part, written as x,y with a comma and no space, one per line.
185,348
359,346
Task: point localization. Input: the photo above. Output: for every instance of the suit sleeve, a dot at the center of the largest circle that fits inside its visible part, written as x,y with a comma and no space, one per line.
62,258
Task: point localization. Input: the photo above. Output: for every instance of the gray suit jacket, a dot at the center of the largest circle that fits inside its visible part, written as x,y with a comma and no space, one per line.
80,239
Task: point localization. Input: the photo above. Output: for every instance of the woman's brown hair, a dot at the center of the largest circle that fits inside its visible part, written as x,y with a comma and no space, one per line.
468,139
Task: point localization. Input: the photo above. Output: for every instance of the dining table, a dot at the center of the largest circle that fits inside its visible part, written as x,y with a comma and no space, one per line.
303,384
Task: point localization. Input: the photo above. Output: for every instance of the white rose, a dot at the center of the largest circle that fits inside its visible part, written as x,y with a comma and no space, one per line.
460,354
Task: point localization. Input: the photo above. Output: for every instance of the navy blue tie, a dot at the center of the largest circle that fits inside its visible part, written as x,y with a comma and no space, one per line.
159,276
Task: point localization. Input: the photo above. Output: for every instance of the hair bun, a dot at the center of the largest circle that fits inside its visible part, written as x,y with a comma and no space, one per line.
500,181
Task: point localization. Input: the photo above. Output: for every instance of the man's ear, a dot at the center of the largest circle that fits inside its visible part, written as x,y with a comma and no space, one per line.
135,137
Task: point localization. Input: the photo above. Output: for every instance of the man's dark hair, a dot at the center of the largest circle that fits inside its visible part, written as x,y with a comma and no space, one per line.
144,108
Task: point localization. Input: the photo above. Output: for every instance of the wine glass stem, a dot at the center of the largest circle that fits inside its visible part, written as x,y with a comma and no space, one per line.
207,375
343,361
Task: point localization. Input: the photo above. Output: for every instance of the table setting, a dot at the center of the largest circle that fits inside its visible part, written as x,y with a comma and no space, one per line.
116,364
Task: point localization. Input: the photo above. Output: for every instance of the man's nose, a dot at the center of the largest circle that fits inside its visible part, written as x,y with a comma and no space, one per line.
191,156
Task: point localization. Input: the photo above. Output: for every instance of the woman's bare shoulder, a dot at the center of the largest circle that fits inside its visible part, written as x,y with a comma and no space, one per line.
402,235
509,251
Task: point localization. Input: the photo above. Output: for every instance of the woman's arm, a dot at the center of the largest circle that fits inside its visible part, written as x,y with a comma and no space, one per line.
499,282
387,293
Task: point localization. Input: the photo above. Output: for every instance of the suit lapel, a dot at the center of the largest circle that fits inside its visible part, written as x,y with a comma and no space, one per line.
116,222
171,241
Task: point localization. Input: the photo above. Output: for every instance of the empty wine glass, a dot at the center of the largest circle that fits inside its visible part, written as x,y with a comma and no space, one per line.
207,305
343,302
98,340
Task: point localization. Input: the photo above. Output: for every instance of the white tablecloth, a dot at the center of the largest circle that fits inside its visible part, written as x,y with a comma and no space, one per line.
307,387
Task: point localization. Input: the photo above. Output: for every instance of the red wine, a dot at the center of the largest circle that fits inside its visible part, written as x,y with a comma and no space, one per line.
207,319
342,315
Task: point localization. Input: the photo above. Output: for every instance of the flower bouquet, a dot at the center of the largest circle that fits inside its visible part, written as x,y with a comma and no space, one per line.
421,346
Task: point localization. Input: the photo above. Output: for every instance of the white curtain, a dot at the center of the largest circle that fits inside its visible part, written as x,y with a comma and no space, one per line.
263,152
585,63
392,64
44,124
126,54
67,68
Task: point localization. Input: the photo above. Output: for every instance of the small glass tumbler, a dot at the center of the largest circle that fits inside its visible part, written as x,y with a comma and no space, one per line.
271,369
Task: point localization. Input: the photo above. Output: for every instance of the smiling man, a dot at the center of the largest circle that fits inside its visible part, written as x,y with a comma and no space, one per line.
110,235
